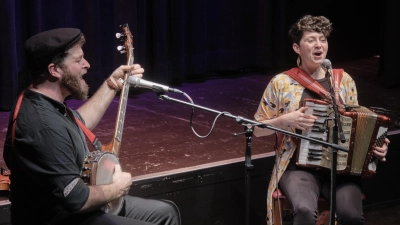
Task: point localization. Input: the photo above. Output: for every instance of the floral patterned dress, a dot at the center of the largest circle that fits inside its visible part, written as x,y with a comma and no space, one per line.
282,96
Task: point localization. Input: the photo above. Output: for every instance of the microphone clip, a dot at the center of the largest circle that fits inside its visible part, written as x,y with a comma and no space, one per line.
158,90
248,130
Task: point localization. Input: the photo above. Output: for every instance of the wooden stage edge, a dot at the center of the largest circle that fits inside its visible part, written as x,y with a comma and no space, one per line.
216,193
213,164
198,167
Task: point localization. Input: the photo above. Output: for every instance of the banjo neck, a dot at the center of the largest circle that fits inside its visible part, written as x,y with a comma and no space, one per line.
115,143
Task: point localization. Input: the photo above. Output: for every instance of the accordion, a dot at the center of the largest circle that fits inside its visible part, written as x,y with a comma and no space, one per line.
363,129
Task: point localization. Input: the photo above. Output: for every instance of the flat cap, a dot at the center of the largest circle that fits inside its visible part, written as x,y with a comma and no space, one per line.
43,47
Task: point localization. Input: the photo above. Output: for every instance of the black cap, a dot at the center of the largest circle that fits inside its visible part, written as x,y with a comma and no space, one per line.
43,47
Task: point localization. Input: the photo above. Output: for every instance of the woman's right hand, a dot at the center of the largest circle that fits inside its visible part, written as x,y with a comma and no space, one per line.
299,120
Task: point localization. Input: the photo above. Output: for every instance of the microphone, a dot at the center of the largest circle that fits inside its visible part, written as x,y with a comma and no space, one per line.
138,82
326,64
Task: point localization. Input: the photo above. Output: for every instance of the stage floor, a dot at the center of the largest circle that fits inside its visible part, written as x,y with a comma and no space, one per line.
157,136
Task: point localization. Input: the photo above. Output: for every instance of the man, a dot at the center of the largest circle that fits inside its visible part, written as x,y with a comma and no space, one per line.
45,152
281,107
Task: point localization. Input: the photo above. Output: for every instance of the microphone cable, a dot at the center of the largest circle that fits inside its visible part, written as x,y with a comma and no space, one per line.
191,118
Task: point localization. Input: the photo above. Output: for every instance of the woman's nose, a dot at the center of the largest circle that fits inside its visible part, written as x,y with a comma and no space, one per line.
318,44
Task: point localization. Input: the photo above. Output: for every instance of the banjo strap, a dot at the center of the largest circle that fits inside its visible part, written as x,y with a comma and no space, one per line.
89,134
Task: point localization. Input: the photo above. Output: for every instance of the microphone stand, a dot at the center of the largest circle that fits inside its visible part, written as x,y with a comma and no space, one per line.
337,127
249,132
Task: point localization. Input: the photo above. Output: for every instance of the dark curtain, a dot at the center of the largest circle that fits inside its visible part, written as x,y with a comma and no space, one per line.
390,56
173,40
177,40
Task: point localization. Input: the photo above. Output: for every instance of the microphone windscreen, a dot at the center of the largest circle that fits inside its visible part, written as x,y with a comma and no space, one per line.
326,64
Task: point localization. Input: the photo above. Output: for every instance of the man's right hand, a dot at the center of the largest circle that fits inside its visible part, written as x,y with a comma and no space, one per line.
100,195
122,181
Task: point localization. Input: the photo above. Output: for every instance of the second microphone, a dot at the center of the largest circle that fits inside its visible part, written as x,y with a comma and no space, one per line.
140,83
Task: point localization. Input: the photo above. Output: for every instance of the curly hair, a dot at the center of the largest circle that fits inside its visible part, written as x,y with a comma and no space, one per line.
310,23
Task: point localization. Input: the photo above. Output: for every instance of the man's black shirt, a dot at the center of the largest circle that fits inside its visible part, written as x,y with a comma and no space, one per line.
47,160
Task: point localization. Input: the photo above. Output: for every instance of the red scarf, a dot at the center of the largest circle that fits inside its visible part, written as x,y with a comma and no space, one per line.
308,82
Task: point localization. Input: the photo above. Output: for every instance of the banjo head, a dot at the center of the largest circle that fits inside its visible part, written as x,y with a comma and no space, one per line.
102,169
104,173
105,168
114,207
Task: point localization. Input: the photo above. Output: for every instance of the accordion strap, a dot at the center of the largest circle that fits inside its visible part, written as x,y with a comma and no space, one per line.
308,82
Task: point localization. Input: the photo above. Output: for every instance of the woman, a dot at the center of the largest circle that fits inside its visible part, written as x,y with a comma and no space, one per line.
281,107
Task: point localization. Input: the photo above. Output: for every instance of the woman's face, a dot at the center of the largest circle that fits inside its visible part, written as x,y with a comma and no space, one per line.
312,49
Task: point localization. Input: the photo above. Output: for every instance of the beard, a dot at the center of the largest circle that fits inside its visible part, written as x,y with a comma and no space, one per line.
74,85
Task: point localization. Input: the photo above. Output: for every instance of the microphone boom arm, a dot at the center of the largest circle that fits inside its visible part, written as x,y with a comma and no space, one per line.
240,119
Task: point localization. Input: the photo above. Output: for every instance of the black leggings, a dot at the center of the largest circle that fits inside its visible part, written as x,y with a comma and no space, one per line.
302,189
136,211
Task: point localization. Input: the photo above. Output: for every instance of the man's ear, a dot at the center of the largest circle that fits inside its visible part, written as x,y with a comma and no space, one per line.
54,70
296,48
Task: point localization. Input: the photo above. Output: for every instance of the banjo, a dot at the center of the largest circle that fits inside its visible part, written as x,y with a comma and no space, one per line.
98,167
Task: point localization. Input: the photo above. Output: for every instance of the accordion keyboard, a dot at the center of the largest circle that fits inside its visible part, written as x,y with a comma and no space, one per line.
311,153
314,154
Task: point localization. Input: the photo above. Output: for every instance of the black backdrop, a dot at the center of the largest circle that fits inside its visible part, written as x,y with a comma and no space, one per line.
180,40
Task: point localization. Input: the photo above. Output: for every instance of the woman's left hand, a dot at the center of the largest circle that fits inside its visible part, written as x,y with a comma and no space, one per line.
380,152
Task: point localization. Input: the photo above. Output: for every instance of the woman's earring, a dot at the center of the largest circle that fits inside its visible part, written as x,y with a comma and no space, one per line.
298,61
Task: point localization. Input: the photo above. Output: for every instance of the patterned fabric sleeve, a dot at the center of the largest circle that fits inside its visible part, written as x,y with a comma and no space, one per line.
348,90
267,108
281,96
